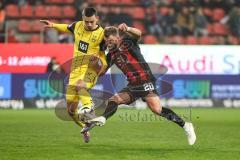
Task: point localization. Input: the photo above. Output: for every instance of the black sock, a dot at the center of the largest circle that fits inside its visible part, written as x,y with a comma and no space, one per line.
111,109
171,116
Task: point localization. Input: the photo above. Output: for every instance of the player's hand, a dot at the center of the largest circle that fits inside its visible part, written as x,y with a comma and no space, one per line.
48,24
123,27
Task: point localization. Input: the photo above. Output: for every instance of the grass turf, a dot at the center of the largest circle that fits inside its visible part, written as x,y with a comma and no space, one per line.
130,134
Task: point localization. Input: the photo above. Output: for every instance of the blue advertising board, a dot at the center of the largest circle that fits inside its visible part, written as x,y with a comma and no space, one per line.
35,86
5,86
202,86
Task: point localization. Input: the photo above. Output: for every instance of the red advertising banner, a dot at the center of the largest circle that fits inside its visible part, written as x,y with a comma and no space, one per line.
32,58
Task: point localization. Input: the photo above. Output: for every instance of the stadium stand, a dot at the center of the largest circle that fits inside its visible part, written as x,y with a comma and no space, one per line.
164,21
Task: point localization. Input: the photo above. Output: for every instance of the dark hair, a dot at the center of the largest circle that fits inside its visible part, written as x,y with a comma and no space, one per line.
89,12
111,30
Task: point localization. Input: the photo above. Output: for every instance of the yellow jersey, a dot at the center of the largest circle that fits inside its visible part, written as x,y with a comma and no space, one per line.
87,44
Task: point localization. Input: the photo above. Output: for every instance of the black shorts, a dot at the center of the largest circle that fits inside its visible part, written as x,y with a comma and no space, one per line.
140,91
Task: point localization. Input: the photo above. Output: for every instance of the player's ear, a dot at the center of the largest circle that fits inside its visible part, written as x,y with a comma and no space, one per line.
97,17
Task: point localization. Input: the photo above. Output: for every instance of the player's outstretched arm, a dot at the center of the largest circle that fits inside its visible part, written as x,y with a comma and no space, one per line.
59,27
134,31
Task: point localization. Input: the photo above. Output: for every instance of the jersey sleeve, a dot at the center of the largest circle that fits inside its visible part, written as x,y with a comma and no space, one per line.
61,27
103,46
71,27
109,60
130,37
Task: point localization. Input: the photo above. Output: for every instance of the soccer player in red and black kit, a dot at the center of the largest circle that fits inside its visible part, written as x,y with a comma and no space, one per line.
124,52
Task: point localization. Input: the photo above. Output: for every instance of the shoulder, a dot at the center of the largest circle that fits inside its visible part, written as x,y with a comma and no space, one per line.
128,37
71,27
99,30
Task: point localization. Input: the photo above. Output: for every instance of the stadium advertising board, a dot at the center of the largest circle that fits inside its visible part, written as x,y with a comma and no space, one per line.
179,59
201,90
36,86
195,59
5,86
41,86
31,58
203,86
25,90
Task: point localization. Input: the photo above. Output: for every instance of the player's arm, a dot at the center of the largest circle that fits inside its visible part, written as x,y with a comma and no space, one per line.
133,31
60,27
109,64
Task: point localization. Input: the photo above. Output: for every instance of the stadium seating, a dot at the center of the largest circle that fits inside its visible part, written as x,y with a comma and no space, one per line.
164,11
219,29
207,12
138,13
98,2
233,40
53,1
37,26
24,26
12,11
205,40
218,14
191,40
150,39
35,39
128,2
40,12
139,25
27,17
54,11
26,11
114,2
68,12
68,1
177,40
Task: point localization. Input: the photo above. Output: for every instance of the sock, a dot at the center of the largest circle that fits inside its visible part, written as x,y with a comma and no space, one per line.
111,109
85,98
171,116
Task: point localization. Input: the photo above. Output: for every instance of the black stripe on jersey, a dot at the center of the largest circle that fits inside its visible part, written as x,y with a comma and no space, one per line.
103,46
100,34
136,53
71,27
135,77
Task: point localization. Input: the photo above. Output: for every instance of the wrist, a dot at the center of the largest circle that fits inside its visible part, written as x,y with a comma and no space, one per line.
128,29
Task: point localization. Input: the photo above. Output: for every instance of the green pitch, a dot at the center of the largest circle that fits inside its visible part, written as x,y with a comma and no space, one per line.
129,135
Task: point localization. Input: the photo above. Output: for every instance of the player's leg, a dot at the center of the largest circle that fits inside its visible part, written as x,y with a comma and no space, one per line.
123,97
114,101
84,97
87,80
153,102
72,109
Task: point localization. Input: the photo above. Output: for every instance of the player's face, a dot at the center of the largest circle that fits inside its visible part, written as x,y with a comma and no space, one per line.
90,23
111,41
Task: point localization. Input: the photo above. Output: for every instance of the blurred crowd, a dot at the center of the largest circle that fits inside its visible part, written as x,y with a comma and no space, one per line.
196,18
164,21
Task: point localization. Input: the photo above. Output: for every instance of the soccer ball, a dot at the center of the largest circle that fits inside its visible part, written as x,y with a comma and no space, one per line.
85,114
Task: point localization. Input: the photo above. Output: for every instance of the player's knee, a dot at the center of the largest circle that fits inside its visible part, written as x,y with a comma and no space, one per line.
156,108
114,99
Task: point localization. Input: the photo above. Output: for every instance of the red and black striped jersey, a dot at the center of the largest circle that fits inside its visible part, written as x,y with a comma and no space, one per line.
130,61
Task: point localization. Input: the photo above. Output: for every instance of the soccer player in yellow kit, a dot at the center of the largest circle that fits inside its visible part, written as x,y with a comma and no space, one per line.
88,35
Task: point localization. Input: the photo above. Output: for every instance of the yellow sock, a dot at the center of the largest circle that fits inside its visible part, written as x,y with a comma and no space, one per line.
85,98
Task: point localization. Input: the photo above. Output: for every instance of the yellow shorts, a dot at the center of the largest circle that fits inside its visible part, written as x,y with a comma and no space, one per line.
89,76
